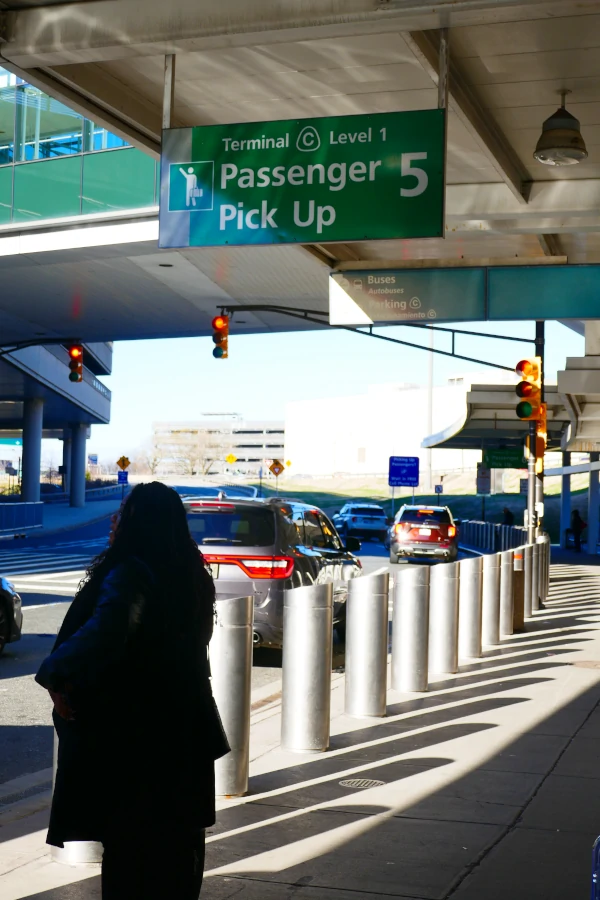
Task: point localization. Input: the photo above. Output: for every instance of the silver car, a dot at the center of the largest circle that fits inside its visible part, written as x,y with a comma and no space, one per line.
266,547
362,520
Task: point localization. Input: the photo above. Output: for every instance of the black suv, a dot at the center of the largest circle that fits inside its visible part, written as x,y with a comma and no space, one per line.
267,547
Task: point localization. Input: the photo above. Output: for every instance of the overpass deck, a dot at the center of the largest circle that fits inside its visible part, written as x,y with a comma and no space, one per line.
487,785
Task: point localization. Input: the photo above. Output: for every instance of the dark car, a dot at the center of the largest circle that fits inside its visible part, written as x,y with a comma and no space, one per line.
11,615
267,547
423,531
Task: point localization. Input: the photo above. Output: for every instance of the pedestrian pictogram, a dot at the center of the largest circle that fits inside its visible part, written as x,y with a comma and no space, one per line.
230,458
276,468
123,463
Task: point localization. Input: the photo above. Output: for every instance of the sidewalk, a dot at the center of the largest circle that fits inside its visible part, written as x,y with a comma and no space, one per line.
488,786
62,517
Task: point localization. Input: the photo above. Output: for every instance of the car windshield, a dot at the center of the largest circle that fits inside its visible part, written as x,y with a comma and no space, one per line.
366,511
233,525
424,516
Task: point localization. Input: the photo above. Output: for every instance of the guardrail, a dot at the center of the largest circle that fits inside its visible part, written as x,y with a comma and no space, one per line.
20,516
105,493
489,537
441,616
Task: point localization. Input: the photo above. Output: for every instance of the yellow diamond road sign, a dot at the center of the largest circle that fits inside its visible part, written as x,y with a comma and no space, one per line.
276,468
123,463
230,458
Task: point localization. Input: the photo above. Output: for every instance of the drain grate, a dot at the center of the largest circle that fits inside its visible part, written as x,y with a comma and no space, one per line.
361,783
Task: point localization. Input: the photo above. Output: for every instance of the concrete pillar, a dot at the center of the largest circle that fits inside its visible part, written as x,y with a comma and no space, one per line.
33,418
78,461
66,460
565,501
592,517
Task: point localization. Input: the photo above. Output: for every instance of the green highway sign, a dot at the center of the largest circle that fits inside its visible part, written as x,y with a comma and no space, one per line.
504,458
347,178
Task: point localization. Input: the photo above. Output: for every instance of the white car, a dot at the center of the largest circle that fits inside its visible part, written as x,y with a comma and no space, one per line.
363,520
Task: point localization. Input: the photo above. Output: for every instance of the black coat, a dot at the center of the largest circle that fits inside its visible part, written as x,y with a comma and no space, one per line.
140,752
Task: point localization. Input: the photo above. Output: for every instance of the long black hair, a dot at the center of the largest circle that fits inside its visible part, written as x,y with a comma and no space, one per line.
153,528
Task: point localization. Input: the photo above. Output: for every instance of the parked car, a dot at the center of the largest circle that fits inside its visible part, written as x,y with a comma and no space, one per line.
364,520
267,547
11,614
421,531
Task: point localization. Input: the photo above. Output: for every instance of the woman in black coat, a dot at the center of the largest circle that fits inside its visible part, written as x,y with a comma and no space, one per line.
137,725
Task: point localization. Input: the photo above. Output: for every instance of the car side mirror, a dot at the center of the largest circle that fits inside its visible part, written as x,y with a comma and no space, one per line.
352,544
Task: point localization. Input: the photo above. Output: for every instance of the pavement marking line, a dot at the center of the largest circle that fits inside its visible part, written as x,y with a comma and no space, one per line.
45,605
25,782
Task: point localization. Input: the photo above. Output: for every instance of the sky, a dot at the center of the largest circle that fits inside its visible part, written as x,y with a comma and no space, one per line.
179,380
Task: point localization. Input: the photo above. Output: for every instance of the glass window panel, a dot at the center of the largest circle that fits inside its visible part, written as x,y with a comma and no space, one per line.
121,179
48,190
7,116
45,128
6,176
98,138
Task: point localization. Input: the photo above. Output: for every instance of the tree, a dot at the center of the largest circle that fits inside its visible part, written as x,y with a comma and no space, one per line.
192,450
149,459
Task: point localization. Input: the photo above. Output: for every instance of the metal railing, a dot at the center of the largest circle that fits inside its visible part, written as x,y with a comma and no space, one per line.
15,516
490,538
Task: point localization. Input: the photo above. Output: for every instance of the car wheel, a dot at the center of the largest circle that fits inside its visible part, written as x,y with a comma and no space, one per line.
4,626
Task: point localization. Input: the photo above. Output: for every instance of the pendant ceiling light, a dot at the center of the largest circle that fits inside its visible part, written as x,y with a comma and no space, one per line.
560,142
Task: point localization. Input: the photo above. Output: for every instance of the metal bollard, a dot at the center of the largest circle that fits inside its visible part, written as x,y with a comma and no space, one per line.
535,577
490,600
306,668
231,668
443,619
527,569
469,603
410,631
74,853
519,589
506,593
367,629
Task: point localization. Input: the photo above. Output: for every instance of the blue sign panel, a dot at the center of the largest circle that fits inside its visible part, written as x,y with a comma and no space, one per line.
122,477
439,488
404,471
544,292
394,296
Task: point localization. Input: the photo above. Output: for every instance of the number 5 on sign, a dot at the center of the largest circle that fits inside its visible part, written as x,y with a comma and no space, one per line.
420,174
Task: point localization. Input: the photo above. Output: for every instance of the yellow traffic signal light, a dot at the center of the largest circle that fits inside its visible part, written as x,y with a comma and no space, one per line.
529,388
75,352
541,440
220,336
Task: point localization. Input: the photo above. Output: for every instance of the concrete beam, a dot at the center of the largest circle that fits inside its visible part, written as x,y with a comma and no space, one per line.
550,244
112,29
464,103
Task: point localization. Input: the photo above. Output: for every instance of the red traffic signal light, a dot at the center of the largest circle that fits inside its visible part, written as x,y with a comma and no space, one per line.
220,336
75,352
529,388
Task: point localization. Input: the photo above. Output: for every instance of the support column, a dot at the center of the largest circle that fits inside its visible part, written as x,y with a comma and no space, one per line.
593,499
78,460
33,418
565,501
66,460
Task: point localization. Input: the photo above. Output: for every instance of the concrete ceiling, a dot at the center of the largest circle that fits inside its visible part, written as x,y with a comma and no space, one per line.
239,61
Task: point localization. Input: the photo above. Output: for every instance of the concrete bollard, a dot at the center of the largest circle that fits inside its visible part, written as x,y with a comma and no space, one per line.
410,631
231,669
443,619
367,629
506,593
306,668
469,602
490,600
535,577
74,853
527,580
519,589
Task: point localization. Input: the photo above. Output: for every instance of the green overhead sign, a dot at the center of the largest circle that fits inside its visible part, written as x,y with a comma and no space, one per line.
348,178
504,458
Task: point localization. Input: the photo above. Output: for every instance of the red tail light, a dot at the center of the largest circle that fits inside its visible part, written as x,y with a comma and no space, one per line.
256,566
212,504
451,531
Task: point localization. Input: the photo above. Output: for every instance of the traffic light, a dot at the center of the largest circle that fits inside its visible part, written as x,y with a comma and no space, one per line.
75,362
220,336
541,440
529,389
